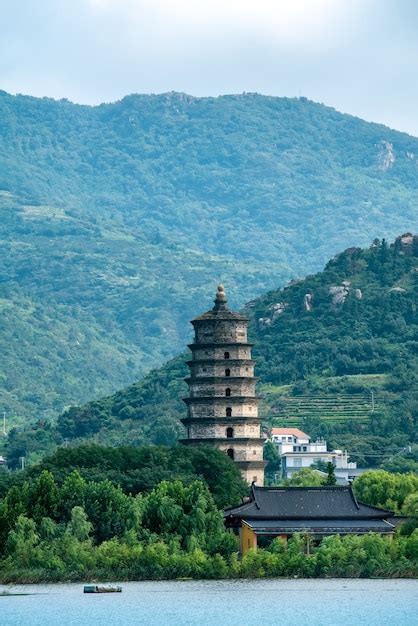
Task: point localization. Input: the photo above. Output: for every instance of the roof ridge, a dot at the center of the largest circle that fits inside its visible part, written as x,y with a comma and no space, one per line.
293,488
353,496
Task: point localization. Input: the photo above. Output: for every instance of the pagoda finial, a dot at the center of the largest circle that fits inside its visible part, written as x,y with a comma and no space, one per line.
220,299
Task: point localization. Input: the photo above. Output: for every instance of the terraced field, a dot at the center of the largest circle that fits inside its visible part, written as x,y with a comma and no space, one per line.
356,399
292,410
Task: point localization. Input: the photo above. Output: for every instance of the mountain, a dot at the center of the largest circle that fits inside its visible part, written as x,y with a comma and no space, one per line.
118,220
336,352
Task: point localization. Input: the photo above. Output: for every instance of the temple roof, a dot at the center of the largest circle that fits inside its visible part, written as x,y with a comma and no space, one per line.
320,526
304,503
220,310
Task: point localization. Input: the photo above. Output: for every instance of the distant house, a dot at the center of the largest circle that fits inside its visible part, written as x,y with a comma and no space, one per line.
272,512
297,451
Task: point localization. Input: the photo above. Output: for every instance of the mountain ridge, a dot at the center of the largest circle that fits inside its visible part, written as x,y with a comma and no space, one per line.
117,218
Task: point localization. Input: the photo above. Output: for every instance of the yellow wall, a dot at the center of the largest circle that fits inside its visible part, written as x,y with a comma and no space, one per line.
248,538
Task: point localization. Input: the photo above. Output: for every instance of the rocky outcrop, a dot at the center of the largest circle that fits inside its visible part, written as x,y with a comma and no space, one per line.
276,309
406,243
307,302
385,156
339,293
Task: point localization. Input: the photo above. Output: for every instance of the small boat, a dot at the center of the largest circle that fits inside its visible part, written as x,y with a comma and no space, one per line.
102,589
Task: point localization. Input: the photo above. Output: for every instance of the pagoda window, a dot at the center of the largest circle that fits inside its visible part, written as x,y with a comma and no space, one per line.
229,432
230,453
227,391
227,372
226,355
228,411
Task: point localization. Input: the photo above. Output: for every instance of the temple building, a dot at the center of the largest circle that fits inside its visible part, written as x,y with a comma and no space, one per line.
222,407
272,512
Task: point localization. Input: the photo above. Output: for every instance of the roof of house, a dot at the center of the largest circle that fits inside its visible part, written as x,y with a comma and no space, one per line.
337,502
320,526
289,431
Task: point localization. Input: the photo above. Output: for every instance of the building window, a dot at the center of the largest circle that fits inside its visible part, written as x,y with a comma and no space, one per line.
305,448
254,479
230,453
228,411
227,391
254,451
227,372
226,355
229,432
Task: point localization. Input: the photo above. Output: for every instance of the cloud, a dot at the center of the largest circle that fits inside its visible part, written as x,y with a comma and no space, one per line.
357,55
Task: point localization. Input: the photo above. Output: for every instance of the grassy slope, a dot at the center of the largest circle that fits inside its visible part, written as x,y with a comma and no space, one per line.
117,221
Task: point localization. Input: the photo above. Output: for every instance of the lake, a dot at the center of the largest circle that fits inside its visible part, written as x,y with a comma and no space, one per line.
231,603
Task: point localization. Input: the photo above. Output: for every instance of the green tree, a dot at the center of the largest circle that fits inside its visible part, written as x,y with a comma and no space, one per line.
306,477
79,526
330,479
271,455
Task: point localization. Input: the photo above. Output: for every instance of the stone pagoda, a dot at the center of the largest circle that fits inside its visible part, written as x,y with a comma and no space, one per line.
222,407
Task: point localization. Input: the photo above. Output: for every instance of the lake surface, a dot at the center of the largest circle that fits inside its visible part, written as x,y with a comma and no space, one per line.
230,603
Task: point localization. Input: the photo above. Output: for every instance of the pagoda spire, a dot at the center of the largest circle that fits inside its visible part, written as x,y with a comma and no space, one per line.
220,299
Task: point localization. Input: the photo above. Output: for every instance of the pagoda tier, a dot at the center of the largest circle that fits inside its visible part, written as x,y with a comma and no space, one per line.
222,407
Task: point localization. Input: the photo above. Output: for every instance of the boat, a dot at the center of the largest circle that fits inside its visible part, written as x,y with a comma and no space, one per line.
102,589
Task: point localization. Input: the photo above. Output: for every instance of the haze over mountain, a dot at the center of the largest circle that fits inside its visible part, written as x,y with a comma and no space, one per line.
117,221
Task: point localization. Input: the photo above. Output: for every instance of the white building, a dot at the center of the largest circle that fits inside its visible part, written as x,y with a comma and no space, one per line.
296,451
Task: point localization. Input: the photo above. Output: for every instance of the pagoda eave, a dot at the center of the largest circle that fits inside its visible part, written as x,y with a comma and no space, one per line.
220,420
226,362
229,399
218,379
217,440
218,344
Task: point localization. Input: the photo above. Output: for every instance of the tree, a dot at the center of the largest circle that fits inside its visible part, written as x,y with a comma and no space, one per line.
385,490
187,511
305,477
79,526
111,512
43,497
271,455
330,479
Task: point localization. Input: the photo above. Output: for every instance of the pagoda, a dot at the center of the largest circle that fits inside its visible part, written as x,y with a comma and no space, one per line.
222,407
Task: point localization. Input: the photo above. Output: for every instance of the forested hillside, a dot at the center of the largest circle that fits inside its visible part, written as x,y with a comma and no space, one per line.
347,333
117,222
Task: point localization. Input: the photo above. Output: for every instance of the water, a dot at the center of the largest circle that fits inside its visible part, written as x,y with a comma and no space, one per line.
219,603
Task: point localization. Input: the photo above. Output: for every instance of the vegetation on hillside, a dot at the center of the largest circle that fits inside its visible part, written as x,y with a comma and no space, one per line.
118,221
361,345
66,527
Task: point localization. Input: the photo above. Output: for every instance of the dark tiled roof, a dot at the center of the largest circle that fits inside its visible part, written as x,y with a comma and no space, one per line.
304,503
320,525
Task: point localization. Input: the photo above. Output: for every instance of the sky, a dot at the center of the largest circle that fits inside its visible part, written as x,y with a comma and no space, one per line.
359,56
